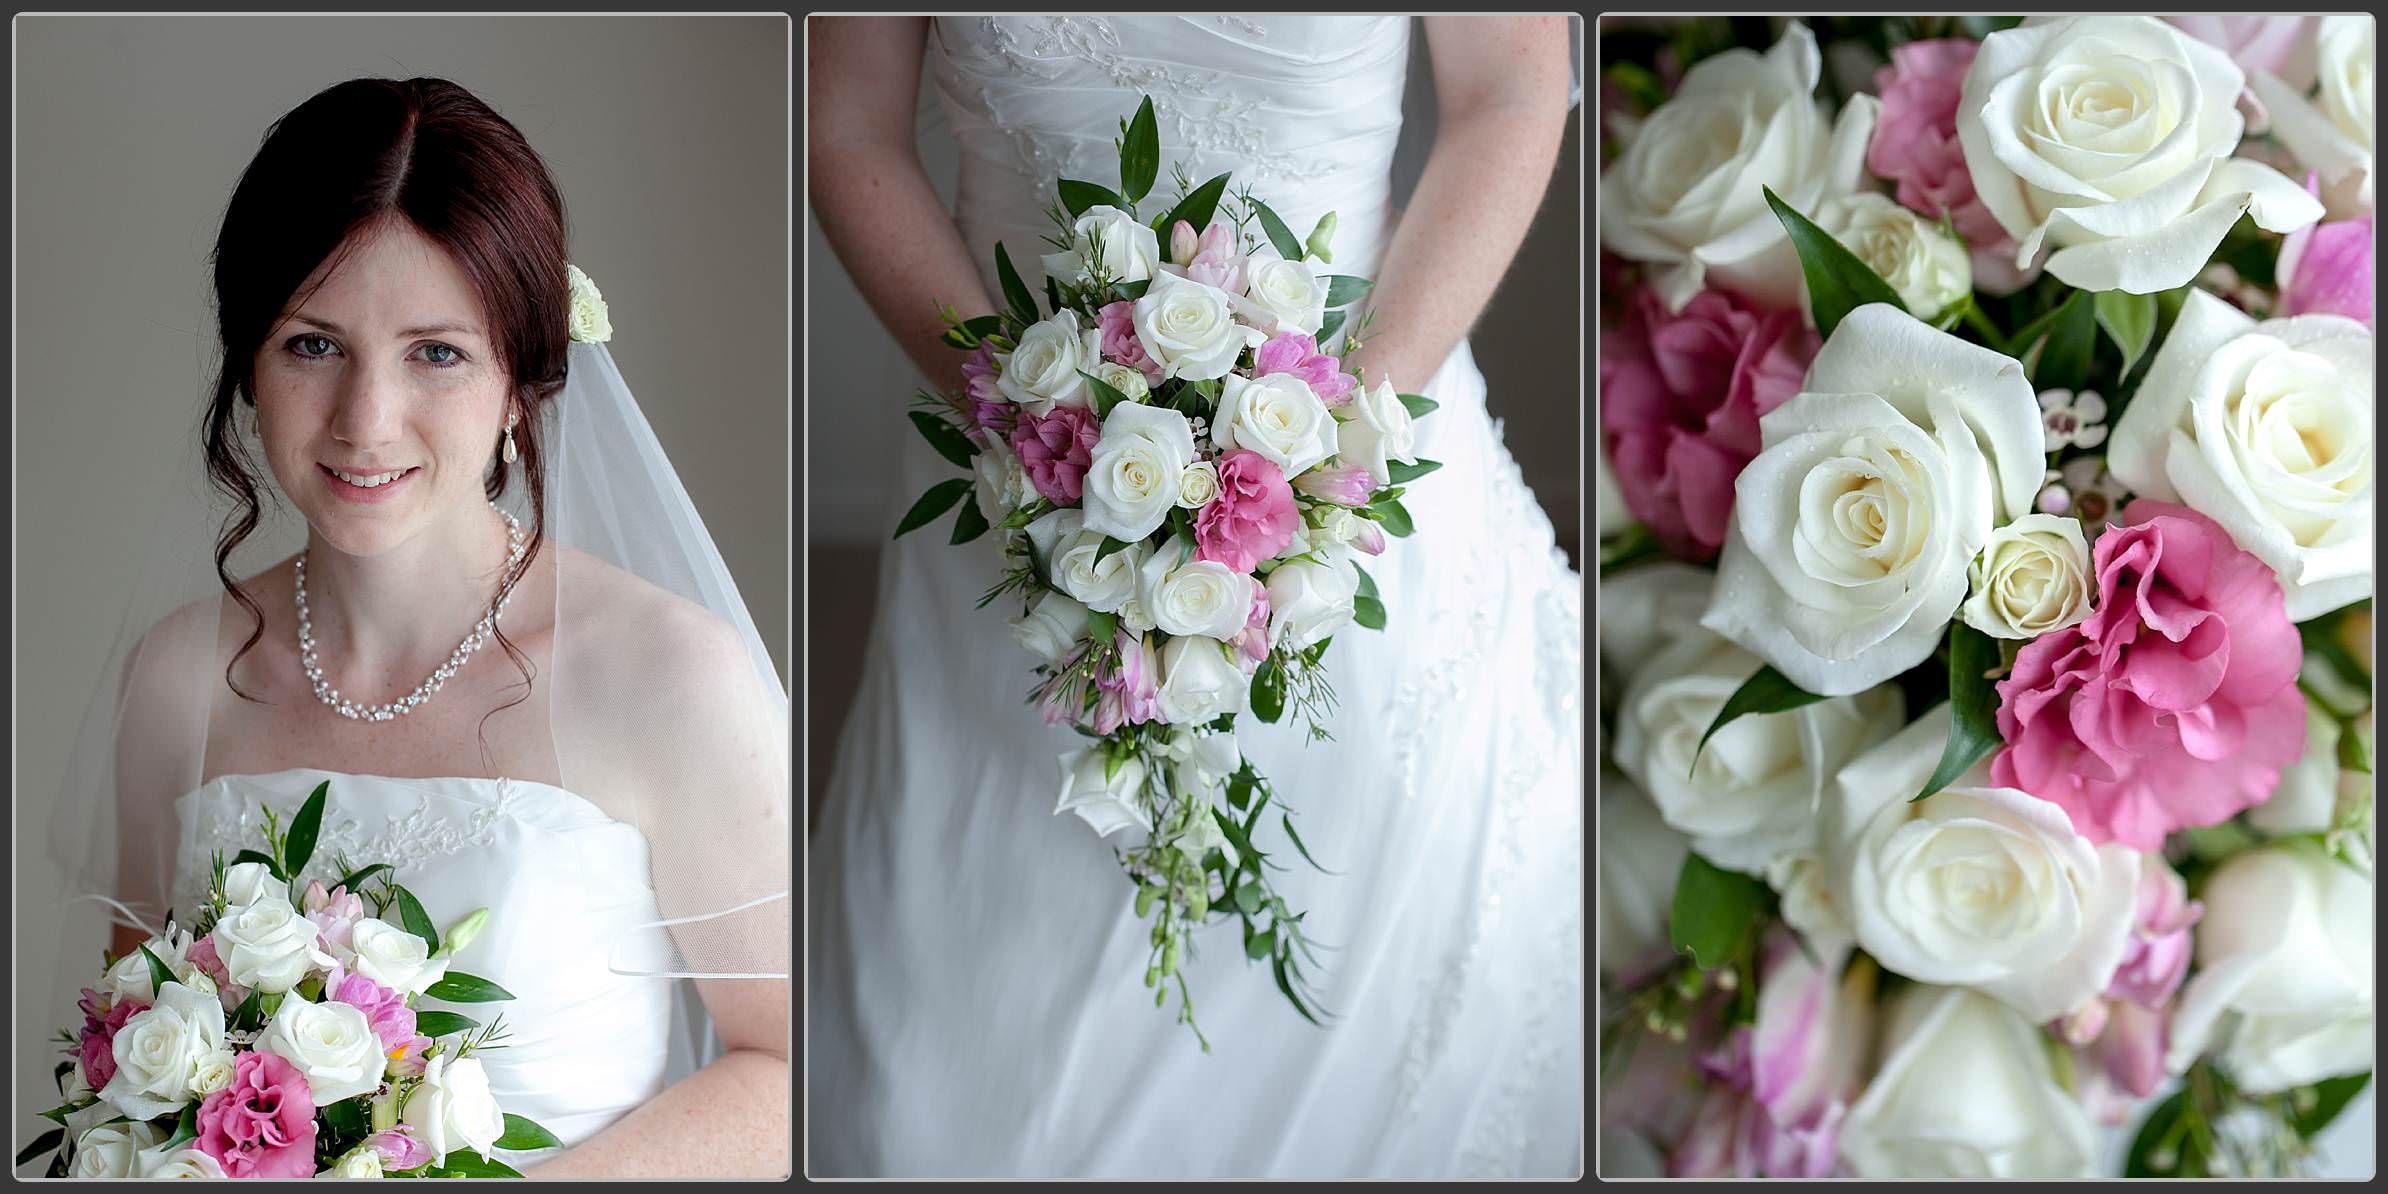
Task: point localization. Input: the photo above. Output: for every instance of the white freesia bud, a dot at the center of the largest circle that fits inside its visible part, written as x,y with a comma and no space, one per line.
1322,236
1182,243
1926,266
587,319
2032,577
464,931
1198,486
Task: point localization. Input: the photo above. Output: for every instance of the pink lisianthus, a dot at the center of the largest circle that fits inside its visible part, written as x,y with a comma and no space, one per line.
1295,353
336,913
2326,269
1915,145
399,1149
2157,956
1680,397
1252,519
1344,485
393,1022
1130,690
2175,704
988,409
1781,1086
1252,642
96,1048
1056,449
203,955
1121,346
2130,1052
1218,261
263,1125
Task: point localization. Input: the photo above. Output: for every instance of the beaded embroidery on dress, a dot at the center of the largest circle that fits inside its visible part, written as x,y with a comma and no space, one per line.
969,1012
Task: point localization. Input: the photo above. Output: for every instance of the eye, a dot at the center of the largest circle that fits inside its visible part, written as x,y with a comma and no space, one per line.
442,355
311,347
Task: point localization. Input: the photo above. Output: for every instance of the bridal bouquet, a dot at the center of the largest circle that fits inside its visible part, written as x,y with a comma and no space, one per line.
1987,517
1181,475
277,1038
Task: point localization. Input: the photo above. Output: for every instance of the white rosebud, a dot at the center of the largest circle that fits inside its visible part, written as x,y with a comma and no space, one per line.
1198,486
129,977
2033,577
214,1072
1129,382
1051,628
587,320
452,1110
246,883
1198,681
1375,430
1928,268
363,1161
1309,601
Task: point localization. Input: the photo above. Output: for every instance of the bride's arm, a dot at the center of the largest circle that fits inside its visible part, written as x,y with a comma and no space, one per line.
874,200
1501,100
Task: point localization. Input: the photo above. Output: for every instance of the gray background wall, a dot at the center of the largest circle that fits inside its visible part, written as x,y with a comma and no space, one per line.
854,401
669,139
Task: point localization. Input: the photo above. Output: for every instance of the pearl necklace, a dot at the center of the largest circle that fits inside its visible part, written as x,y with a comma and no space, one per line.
406,704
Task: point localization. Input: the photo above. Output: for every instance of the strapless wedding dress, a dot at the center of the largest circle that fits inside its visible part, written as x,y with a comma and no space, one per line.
569,904
974,997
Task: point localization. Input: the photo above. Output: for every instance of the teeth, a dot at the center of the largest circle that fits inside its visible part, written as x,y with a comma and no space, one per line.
365,481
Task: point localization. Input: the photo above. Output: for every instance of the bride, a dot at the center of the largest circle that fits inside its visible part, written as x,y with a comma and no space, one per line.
973,999
503,637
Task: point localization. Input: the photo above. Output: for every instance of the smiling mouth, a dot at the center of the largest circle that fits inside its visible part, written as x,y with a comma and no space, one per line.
368,480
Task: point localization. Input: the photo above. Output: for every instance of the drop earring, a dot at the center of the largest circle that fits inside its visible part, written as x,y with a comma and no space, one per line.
510,454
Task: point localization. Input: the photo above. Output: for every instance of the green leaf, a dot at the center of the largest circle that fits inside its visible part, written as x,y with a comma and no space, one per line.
1140,153
250,1013
417,921
1102,627
1329,324
1367,586
2161,1124
1197,208
1025,515
1973,706
354,878
1052,301
1343,290
299,847
348,1117
1395,518
443,1023
1285,985
1715,912
1268,692
2354,746
523,1135
2329,1098
970,332
1236,836
1015,291
41,1144
1296,839
186,1127
272,863
2129,320
459,987
1403,474
1261,945
58,1114
1368,612
1247,898
943,436
1766,691
932,504
1106,396
1077,196
1838,282
1111,547
1280,236
969,524
1637,82
159,976
1419,404
468,1164
2064,362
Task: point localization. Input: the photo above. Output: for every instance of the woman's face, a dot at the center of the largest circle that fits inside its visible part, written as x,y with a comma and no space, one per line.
379,398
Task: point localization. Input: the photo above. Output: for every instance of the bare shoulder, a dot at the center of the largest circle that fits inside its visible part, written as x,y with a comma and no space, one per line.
621,631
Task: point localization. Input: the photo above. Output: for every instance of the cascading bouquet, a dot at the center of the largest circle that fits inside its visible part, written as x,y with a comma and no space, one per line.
2005,709
1179,474
277,1038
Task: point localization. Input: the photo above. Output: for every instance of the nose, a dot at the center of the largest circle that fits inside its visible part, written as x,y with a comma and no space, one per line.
369,409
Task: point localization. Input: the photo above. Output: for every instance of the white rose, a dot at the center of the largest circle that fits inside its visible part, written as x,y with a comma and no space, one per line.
452,1111
1198,597
331,1043
1002,485
2334,140
1203,761
1111,239
1198,681
158,1050
1109,803
1853,530
1068,551
1803,879
2266,428
1645,608
1686,195
395,958
1976,886
362,1162
1640,857
2110,139
587,319
1198,486
1189,328
1757,788
1041,371
1278,416
1129,382
2032,577
1309,601
183,1163
1282,296
2283,992
246,883
1052,628
1338,525
1928,267
1965,1090
1374,429
214,1072
2306,798
269,946
1137,468
129,977
113,1150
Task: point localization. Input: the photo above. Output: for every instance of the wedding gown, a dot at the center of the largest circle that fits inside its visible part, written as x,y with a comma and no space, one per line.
974,996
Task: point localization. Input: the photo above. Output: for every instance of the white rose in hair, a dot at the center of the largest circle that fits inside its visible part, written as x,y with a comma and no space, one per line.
395,958
1068,550
1199,597
1199,682
1926,266
158,1050
1854,527
1042,371
1051,628
331,1043
2333,138
1685,196
2032,577
1374,429
452,1111
2266,428
1107,802
113,1150
2109,139
269,946
1105,236
1190,329
2282,996
1278,416
1137,470
2009,1116
1282,296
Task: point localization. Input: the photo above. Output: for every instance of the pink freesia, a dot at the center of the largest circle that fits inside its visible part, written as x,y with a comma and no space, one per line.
1680,397
1252,642
1182,243
203,955
1780,1087
2131,1050
1252,519
2281,46
1915,145
2175,704
1345,485
263,1125
399,1149
2157,956
384,1009
988,409
2326,269
96,1046
1218,261
1295,353
336,913
1121,345
1055,451
1130,690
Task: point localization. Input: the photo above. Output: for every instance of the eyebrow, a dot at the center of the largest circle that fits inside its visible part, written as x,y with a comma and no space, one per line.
429,329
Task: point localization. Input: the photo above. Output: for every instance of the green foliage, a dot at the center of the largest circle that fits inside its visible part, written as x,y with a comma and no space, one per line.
1973,706
1139,154
1106,395
2130,321
969,524
523,1135
1280,236
1015,291
459,987
1838,282
1766,691
1343,290
1403,474
1197,208
2064,363
299,847
1715,915
931,504
1078,196
435,1024
1419,405
942,435
415,920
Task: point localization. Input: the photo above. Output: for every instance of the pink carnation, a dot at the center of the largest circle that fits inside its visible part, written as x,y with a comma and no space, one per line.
1295,353
1056,449
1252,519
1121,346
1915,145
2175,705
1680,397
263,1125
97,1046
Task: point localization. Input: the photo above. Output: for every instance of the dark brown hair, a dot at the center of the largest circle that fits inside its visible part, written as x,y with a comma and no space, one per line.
356,155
